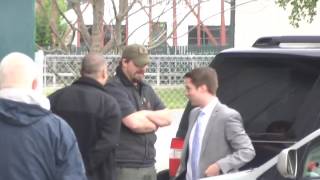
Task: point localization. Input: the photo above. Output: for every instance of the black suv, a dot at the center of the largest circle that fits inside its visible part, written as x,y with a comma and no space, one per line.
275,85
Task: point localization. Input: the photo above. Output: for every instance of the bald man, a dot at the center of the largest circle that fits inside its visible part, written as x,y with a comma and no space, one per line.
94,115
35,143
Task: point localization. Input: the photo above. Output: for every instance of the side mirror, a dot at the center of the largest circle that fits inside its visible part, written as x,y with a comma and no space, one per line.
288,163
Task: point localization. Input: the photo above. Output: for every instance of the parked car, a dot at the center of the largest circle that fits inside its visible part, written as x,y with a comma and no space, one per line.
289,164
275,85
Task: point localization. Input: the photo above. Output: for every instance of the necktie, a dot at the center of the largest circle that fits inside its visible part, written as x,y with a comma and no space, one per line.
196,148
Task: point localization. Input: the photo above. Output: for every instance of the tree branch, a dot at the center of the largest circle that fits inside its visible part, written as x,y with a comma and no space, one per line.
83,29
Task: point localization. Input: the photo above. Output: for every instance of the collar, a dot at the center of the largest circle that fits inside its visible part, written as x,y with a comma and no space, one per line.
25,96
89,81
209,107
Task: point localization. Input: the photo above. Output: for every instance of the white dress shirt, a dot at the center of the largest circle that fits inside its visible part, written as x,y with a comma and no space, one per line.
207,110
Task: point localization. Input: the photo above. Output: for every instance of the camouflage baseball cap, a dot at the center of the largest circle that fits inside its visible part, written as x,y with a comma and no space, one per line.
137,53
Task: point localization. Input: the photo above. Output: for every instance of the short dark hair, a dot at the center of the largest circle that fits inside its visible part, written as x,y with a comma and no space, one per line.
204,76
92,63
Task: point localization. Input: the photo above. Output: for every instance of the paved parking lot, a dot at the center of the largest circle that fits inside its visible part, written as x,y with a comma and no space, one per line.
164,136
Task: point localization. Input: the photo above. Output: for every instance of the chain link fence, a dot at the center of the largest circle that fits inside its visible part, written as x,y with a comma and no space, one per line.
164,73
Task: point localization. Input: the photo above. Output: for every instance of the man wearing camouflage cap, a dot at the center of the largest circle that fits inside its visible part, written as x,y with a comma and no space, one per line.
142,114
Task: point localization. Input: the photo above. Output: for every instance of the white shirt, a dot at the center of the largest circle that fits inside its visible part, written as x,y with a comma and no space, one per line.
207,110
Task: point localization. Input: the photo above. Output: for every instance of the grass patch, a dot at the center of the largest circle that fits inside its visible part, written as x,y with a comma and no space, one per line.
172,97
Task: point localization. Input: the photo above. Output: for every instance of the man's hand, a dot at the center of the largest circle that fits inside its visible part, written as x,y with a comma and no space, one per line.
213,170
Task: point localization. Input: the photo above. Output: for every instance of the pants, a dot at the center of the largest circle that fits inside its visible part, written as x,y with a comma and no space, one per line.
148,173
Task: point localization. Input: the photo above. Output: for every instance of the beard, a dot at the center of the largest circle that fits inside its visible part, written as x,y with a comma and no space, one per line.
138,77
134,80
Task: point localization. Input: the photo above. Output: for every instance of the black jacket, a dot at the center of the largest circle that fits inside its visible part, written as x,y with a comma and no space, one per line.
95,117
135,149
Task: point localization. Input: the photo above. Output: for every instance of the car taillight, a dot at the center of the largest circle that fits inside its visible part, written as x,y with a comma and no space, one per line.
175,155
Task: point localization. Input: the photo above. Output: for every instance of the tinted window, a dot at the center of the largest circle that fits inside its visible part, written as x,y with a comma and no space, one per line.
273,93
268,91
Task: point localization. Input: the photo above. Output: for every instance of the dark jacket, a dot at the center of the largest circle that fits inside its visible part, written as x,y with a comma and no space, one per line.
95,118
36,145
135,150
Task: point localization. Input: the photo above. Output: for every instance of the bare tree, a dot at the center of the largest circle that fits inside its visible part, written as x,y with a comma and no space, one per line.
94,41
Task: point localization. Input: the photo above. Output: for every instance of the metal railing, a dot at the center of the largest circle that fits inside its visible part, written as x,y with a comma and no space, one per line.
165,73
160,50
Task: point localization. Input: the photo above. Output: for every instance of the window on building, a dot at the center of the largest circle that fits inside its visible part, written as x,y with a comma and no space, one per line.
108,29
215,31
159,33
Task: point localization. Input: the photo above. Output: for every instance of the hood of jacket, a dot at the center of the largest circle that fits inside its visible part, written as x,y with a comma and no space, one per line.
22,108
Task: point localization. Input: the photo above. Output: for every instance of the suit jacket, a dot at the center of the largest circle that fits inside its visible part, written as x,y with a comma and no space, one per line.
224,142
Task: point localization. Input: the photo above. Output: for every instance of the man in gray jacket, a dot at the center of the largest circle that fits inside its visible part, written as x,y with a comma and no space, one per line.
35,143
216,142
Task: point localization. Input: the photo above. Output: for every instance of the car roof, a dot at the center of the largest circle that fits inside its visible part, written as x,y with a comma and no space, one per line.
281,45
312,52
287,41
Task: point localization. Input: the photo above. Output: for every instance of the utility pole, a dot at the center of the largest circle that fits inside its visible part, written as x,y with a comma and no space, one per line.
223,39
175,42
232,22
